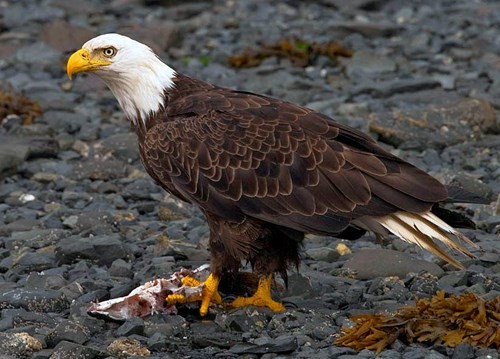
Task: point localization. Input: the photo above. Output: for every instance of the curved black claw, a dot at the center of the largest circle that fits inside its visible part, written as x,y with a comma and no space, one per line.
228,298
289,305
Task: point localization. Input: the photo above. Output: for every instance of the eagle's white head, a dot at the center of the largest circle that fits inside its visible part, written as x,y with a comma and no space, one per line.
132,71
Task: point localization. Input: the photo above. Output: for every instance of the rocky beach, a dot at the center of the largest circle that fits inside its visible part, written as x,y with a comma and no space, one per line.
81,222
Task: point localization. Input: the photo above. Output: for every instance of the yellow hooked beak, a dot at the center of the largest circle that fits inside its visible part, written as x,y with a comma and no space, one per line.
83,61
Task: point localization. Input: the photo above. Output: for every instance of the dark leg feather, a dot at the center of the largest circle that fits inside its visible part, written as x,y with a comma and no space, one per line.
279,251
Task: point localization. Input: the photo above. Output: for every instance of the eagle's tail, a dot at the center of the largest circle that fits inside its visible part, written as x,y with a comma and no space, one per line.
421,229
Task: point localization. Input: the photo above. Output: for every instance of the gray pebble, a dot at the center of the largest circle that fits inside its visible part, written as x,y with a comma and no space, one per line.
366,264
69,350
68,331
463,351
325,254
131,326
36,300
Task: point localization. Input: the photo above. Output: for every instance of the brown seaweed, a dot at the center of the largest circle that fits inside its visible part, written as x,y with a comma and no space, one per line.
447,320
299,52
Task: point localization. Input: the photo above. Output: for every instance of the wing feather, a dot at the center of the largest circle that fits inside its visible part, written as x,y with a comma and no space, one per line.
277,161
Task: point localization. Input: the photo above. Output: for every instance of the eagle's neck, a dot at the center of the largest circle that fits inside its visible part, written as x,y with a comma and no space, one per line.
141,89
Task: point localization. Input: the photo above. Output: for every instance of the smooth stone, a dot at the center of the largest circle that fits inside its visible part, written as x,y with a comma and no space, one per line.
325,254
65,349
102,249
463,351
452,123
364,63
63,36
38,300
373,263
453,279
131,326
70,331
33,261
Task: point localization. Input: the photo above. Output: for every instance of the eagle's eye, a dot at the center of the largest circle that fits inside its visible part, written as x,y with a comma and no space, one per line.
109,51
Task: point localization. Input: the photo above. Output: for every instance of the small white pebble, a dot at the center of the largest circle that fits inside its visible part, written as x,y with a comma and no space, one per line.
26,197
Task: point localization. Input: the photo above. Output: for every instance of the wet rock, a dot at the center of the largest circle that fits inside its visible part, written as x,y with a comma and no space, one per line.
490,257
37,280
14,152
79,314
131,326
168,325
42,354
397,86
20,345
139,189
64,121
74,248
32,261
218,339
280,345
20,318
158,36
436,126
242,320
39,55
120,268
368,64
68,331
454,279
355,4
483,353
469,183
96,222
21,14
122,146
125,348
463,351
325,254
99,170
21,225
157,342
63,36
373,263
423,284
368,29
35,300
102,249
299,285
447,81
69,350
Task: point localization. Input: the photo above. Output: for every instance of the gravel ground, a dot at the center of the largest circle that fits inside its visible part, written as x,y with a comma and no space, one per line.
80,221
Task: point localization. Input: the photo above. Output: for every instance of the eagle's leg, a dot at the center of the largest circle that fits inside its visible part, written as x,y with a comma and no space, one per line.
261,298
209,293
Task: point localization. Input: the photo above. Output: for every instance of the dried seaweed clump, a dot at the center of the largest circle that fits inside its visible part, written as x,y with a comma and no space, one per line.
300,52
12,103
440,320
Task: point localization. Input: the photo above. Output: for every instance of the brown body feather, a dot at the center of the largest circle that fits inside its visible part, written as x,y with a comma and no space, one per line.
265,171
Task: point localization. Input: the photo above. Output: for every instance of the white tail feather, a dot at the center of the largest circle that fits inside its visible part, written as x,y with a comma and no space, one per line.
421,229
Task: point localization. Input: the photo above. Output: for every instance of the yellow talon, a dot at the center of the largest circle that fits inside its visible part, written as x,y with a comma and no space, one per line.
190,281
209,293
261,298
176,299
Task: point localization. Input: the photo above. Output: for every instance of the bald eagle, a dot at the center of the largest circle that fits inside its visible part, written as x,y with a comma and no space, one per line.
262,170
